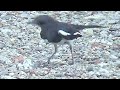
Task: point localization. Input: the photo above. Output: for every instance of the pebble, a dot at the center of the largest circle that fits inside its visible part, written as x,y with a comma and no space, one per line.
113,57
117,63
91,73
3,72
113,21
89,68
89,32
11,74
104,72
97,16
59,74
2,45
7,77
27,63
98,73
5,31
104,33
5,59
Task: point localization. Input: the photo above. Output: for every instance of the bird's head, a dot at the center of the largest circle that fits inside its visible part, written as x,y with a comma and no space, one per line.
41,20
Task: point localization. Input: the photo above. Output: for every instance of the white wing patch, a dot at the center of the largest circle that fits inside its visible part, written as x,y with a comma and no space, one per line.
77,33
64,33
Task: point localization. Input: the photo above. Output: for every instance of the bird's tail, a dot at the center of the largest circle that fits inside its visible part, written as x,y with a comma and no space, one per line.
80,27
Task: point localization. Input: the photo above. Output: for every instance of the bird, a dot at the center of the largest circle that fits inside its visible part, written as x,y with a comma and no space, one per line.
57,32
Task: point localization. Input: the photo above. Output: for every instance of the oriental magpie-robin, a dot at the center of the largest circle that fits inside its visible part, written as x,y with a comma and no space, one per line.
58,32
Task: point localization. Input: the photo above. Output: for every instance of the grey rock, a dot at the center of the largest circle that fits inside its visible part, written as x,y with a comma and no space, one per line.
7,77
2,45
118,65
89,68
113,57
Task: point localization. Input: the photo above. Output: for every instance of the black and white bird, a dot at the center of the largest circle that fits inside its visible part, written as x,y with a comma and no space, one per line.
58,32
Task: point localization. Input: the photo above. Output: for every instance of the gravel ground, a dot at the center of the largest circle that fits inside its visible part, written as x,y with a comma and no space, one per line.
23,52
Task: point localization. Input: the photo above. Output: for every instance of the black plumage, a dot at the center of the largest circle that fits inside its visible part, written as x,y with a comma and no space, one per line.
55,31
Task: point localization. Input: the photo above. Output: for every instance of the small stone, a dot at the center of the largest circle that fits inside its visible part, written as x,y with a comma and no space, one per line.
102,64
114,77
113,57
89,68
7,77
71,62
96,16
27,62
104,72
58,74
6,31
98,73
109,43
12,40
104,33
11,74
3,72
2,45
21,75
19,59
118,65
89,32
113,21
91,73
24,15
20,66
5,59
103,41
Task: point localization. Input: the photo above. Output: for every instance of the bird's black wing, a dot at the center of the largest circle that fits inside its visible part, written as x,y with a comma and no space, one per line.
53,37
66,28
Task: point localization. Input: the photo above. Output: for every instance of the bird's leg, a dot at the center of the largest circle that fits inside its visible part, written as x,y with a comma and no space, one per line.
55,46
71,50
